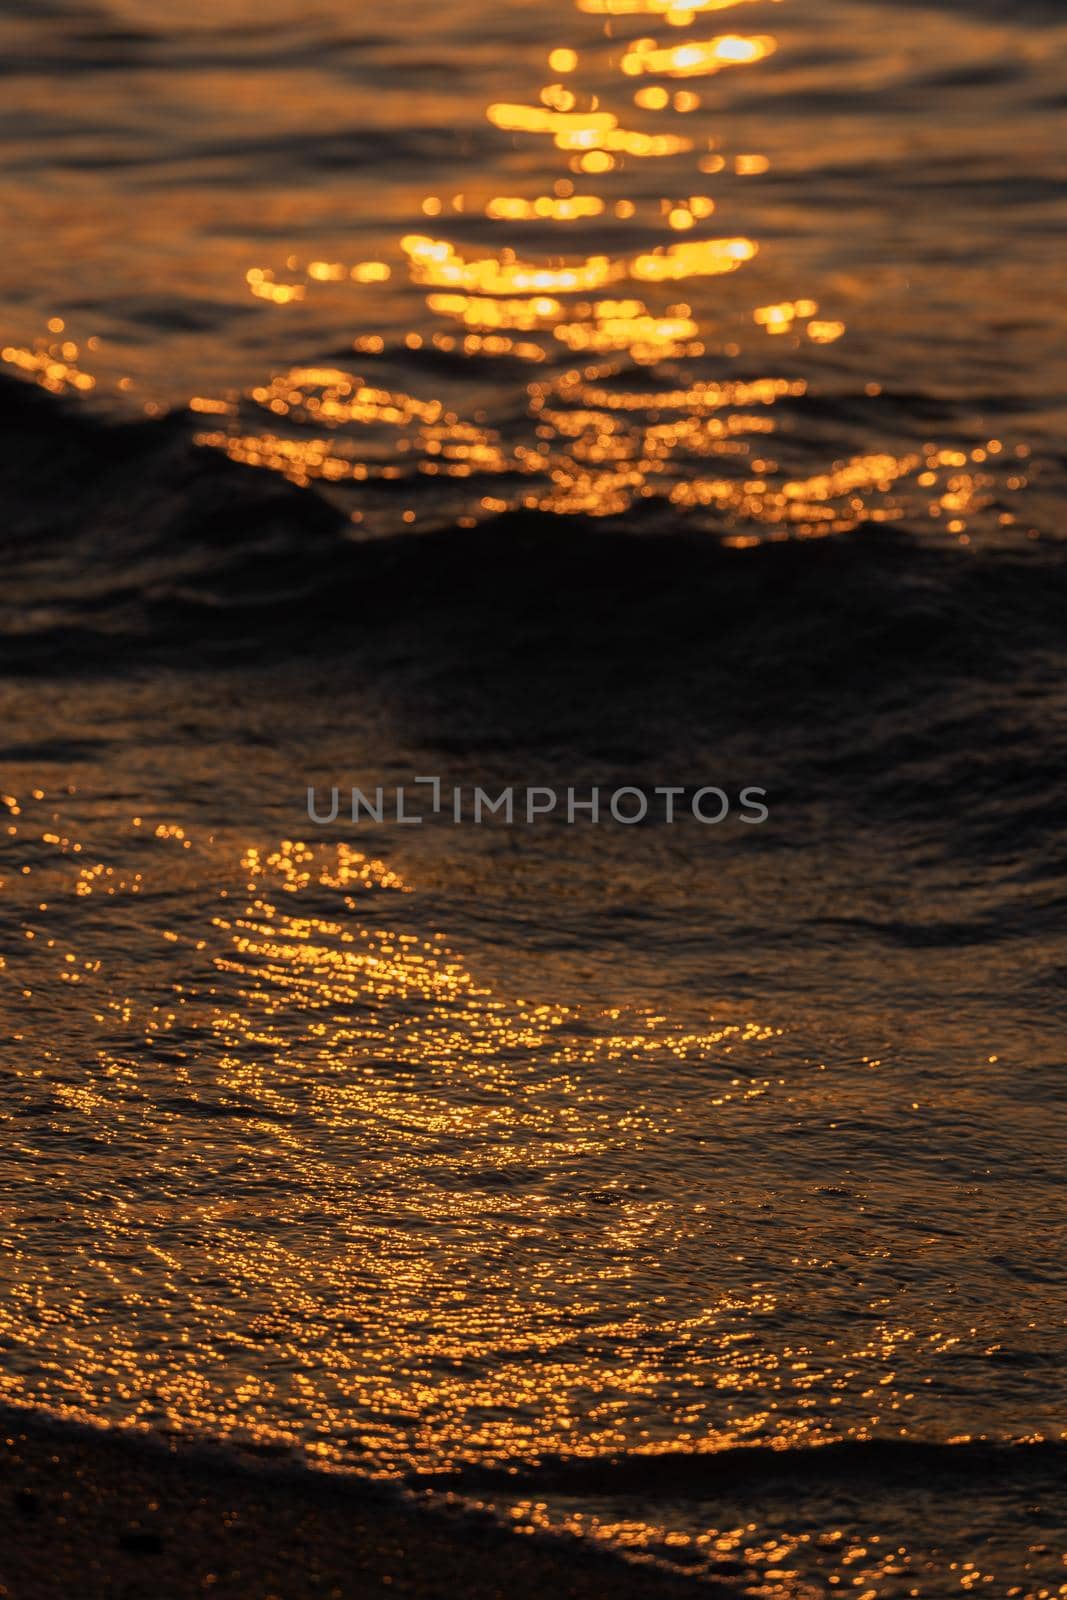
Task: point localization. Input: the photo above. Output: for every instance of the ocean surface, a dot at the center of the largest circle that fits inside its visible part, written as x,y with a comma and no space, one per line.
621,394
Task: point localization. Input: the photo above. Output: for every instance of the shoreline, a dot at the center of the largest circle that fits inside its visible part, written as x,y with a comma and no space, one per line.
107,1514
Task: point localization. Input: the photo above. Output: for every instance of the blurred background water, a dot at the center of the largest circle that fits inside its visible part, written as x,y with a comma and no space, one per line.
454,1153
458,258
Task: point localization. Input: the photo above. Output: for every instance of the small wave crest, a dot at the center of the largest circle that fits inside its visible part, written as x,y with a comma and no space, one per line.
855,1463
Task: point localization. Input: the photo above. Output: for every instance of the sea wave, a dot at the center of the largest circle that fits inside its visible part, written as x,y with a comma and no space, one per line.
876,1463
155,541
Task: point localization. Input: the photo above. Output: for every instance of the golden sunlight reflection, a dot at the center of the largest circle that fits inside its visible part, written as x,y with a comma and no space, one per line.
637,427
485,1149
696,58
361,1068
53,361
676,12
367,1203
591,275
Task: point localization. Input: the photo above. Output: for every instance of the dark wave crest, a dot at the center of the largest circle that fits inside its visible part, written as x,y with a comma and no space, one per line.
153,540
854,1463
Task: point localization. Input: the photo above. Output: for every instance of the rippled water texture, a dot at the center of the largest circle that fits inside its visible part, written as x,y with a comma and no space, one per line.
710,1178
764,268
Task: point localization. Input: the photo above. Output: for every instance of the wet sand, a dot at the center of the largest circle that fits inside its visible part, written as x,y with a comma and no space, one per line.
105,1516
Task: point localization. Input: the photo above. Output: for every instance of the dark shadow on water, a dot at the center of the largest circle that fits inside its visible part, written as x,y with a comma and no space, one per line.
128,548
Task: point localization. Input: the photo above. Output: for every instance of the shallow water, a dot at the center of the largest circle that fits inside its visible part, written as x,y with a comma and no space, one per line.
434,1151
